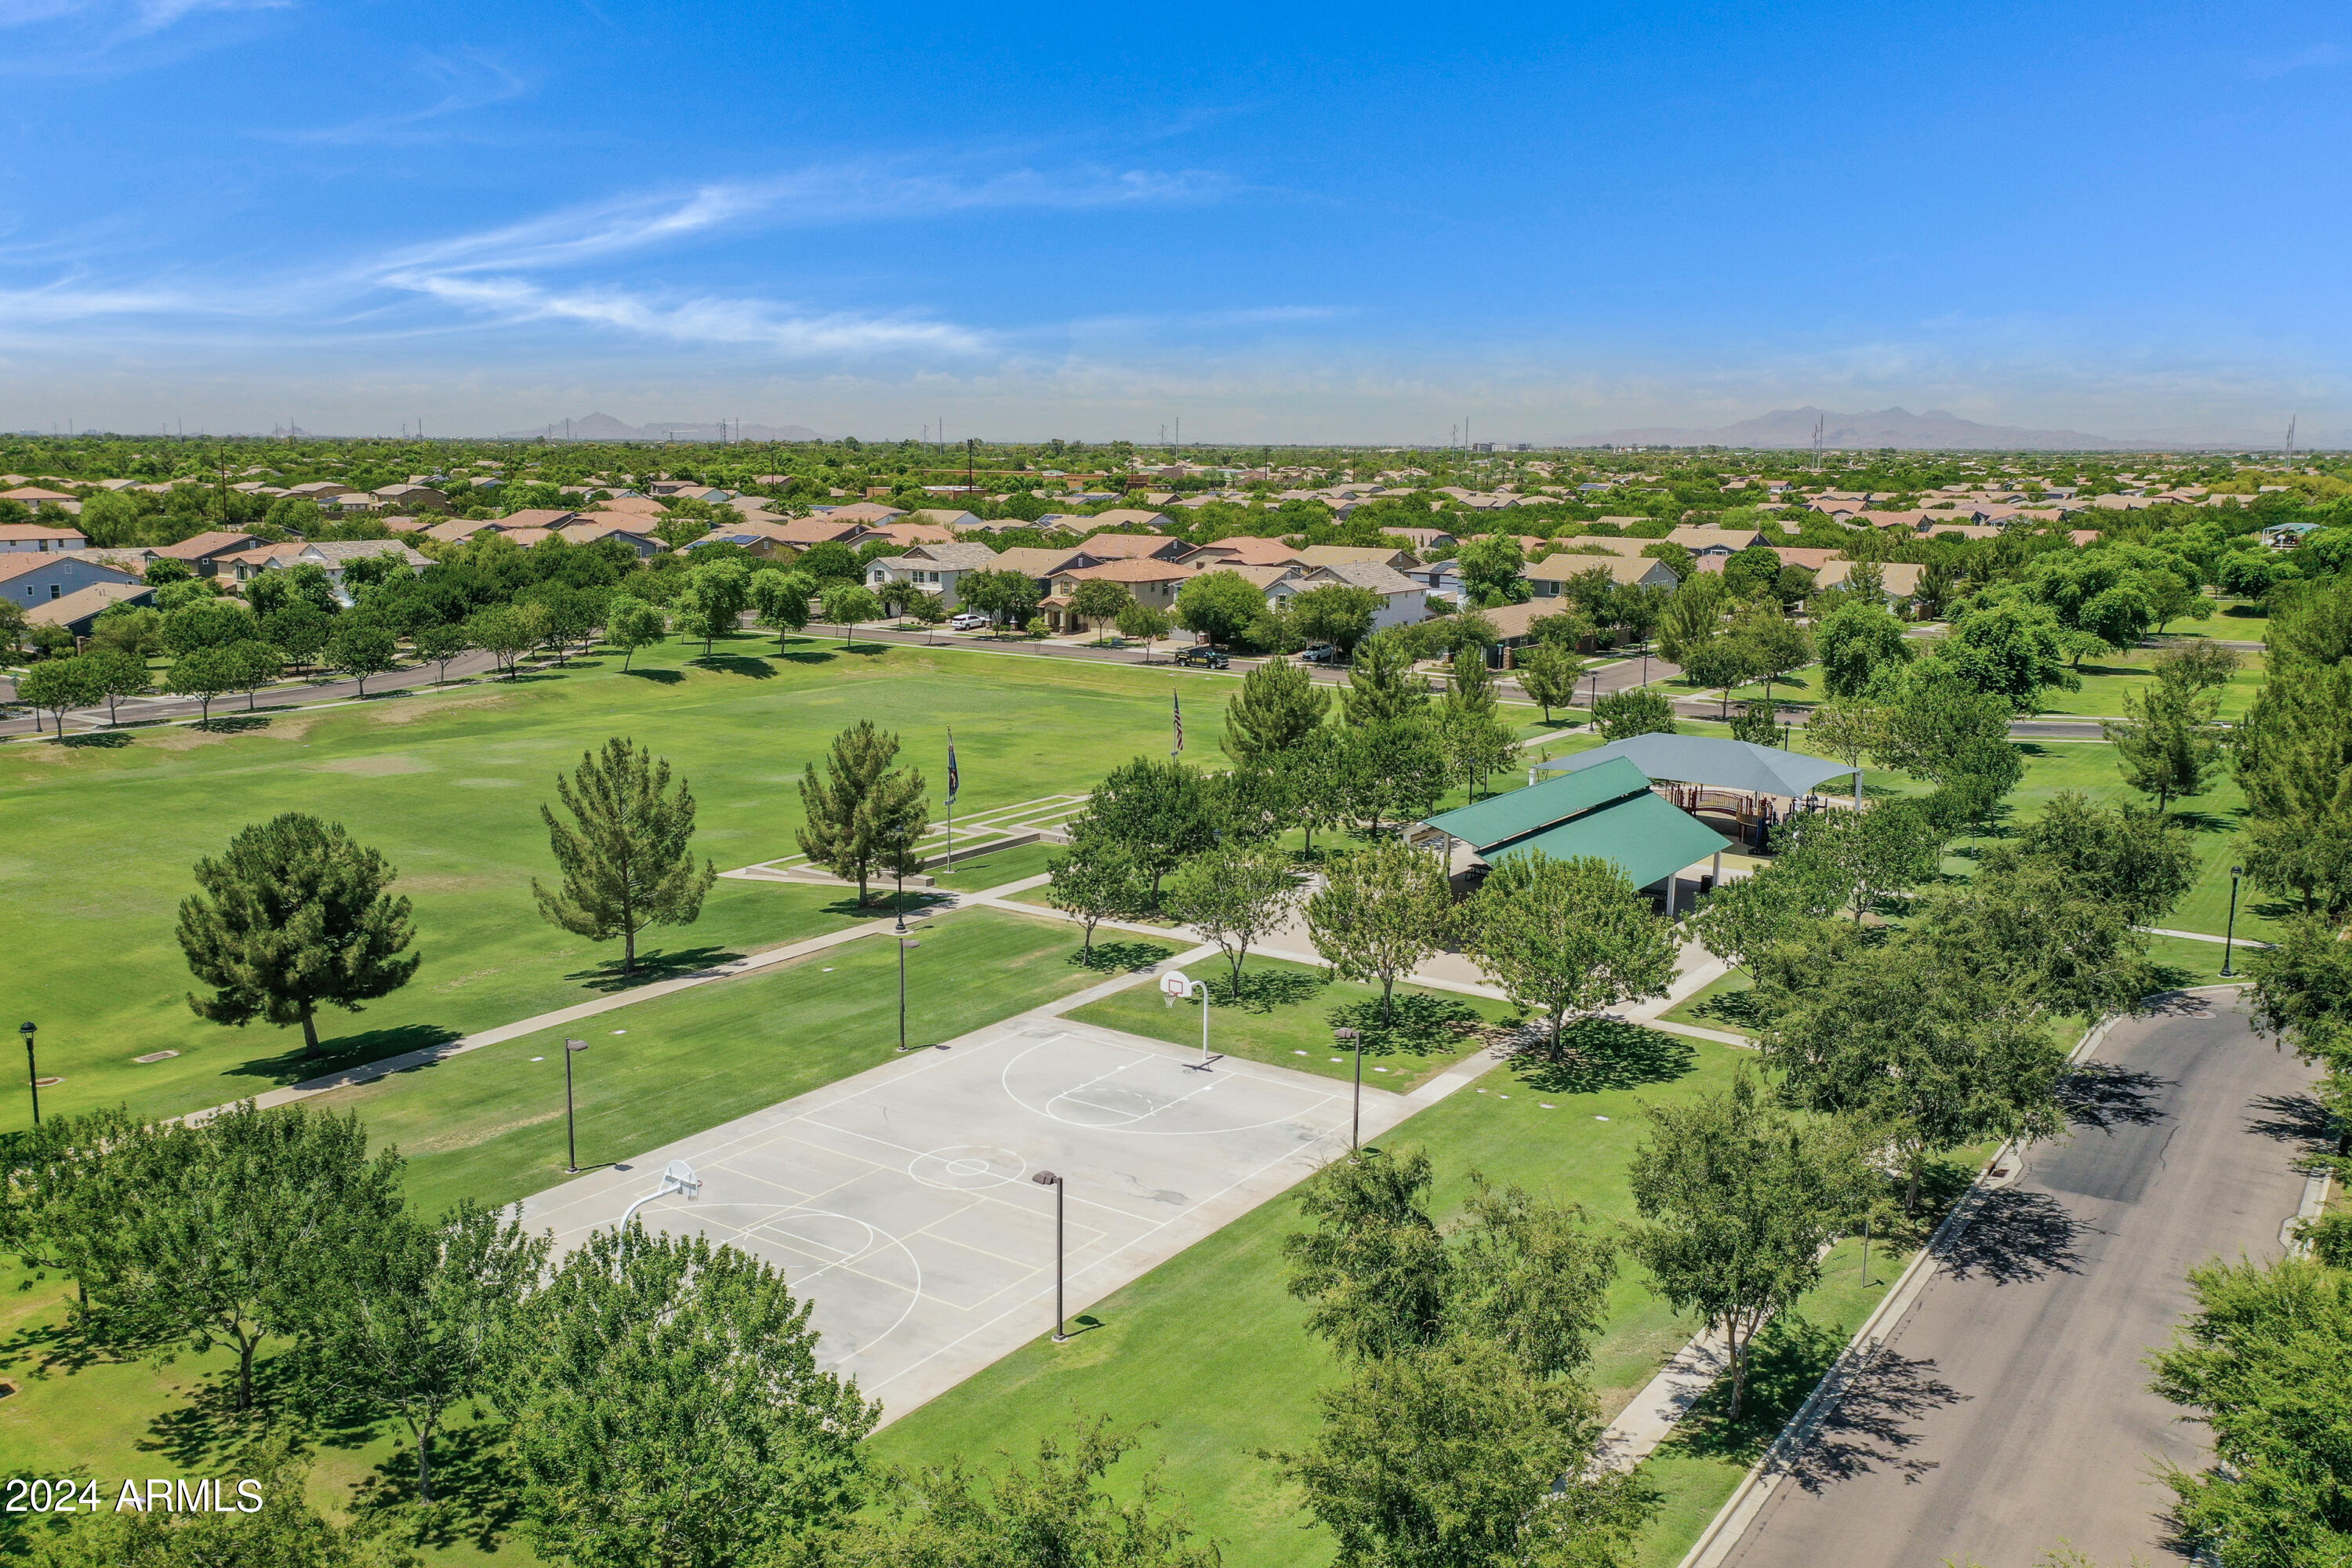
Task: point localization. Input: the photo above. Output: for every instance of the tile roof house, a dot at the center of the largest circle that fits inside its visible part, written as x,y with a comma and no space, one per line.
77,610
1042,566
1404,601
1134,547
202,551
589,529
1549,576
38,577
908,532
37,537
329,556
1245,550
35,496
863,512
1128,517
1898,580
933,568
1715,541
1338,554
1153,582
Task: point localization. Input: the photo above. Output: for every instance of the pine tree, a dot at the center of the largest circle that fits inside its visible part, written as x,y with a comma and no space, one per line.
1381,685
294,917
863,804
627,864
1277,707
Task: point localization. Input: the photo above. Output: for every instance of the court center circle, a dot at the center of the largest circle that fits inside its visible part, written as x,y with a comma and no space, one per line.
968,1167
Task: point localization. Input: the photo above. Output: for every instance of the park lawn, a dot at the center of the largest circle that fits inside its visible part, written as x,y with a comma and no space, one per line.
84,1412
2106,682
1721,1003
1211,1350
1800,689
985,869
489,1125
1286,1014
1700,1464
96,840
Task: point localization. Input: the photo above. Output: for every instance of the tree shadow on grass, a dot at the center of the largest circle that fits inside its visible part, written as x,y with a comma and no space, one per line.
1263,990
295,1065
1599,1054
1420,1024
1733,1010
883,905
812,655
1121,957
653,967
233,723
658,675
1791,1354
2105,1095
2206,821
100,740
752,666
477,1493
206,1428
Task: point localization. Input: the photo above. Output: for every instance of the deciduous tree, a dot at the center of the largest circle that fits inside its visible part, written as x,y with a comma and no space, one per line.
1739,1201
1547,674
668,1409
1233,896
1381,913
1564,937
1160,812
1097,880
360,650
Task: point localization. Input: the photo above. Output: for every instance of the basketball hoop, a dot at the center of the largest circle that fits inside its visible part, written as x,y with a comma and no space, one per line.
1174,986
677,1176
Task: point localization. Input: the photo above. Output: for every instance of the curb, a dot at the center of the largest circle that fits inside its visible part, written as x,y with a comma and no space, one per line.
1729,1526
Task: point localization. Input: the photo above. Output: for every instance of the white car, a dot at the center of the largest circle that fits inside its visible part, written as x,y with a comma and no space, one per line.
969,621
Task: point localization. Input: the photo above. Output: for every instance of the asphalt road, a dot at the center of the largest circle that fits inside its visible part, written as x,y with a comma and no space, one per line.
2009,1411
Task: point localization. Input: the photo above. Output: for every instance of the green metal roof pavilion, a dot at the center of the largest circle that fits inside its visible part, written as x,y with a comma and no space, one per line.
1607,810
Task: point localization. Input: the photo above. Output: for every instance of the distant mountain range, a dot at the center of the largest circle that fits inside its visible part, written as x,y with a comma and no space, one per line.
605,428
1887,428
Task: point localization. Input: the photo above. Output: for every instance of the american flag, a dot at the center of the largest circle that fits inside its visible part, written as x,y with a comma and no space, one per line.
1178,702
954,781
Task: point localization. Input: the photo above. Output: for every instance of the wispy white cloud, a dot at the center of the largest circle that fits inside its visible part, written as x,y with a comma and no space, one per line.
99,37
469,79
712,321
2316,58
815,196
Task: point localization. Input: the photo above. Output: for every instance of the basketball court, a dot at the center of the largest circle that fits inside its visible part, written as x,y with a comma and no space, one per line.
904,1202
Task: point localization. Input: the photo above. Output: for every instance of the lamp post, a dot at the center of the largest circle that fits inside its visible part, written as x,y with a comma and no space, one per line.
32,1073
904,944
2229,931
1353,1039
1048,1179
571,1128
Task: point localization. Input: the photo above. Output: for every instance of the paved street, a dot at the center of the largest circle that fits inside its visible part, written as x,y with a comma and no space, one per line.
2009,1411
161,706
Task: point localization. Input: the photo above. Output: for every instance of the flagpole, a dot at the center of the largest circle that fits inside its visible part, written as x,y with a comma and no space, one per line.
952,795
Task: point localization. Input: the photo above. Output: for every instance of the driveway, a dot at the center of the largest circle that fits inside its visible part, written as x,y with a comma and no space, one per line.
2008,1410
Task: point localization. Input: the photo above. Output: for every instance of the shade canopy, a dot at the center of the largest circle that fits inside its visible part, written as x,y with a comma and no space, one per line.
1607,811
1704,760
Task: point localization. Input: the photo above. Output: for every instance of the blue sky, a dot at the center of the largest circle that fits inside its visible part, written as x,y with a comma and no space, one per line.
1291,224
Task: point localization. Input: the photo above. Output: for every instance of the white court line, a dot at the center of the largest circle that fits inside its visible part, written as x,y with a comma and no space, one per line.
1107,1258
1004,1078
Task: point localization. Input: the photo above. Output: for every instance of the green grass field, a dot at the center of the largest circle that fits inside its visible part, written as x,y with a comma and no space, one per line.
1210,1345
98,839
2105,681
490,1125
1286,1014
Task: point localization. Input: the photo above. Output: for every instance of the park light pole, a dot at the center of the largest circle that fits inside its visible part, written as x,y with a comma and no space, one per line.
1353,1039
2229,935
571,1128
904,944
32,1073
1176,983
1047,1179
